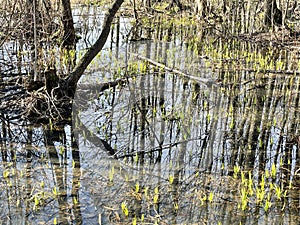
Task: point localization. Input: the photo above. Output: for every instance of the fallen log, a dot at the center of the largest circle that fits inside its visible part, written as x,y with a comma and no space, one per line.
205,81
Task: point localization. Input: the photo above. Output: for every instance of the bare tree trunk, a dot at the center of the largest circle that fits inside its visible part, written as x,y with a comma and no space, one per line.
273,15
69,37
147,4
175,2
268,13
71,81
201,7
178,3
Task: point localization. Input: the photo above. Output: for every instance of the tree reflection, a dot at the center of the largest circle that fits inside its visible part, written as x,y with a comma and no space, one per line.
33,166
169,128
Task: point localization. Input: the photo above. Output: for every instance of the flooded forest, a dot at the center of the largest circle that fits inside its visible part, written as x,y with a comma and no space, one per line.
150,112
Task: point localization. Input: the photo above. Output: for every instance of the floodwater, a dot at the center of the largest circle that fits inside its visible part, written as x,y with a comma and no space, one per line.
217,143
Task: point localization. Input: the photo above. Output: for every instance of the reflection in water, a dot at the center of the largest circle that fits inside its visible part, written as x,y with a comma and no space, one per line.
161,148
180,142
41,176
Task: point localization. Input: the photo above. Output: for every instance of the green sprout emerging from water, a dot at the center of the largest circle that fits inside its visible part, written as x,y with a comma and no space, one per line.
156,195
137,187
171,179
111,174
6,173
244,198
54,191
267,203
263,192
273,170
211,197
124,209
236,170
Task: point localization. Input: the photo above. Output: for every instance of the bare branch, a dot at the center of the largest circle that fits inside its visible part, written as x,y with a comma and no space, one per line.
94,49
207,82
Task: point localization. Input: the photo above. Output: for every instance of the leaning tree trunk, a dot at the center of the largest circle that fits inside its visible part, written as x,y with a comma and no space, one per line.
68,86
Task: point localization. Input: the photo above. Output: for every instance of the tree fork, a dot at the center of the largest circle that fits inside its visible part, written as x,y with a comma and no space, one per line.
71,81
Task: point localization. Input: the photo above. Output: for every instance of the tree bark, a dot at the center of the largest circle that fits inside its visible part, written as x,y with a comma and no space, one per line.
201,7
273,15
73,78
175,2
69,37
